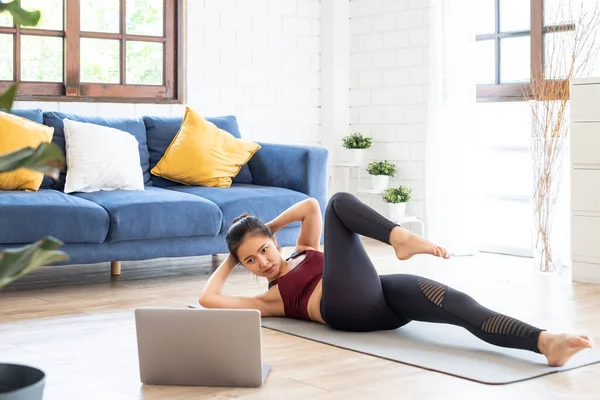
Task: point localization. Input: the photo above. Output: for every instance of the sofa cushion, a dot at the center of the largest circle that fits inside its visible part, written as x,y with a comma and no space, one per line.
17,133
156,213
263,202
134,126
162,130
29,216
33,114
203,155
101,158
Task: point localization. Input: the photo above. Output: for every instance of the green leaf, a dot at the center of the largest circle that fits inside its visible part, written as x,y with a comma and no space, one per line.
21,16
7,98
18,262
47,158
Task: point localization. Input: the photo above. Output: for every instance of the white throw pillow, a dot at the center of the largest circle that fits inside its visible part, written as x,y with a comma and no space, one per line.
101,158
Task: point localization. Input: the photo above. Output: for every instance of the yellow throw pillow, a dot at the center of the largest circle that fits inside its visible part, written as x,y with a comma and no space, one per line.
201,154
16,133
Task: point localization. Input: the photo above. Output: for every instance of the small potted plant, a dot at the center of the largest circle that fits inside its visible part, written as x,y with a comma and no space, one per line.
355,145
380,172
396,199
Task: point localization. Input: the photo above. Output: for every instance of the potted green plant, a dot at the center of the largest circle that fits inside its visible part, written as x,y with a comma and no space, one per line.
380,172
356,145
396,199
23,382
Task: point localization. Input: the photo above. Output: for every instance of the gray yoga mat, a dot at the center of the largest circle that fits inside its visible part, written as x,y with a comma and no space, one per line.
443,348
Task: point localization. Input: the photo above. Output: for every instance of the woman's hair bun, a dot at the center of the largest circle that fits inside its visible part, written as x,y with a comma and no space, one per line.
240,217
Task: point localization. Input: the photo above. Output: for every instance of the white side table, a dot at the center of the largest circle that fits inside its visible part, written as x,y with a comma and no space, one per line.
349,166
359,189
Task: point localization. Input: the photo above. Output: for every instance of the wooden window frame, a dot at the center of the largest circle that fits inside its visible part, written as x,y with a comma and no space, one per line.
499,92
74,90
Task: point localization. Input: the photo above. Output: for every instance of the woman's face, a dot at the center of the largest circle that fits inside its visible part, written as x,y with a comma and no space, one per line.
260,255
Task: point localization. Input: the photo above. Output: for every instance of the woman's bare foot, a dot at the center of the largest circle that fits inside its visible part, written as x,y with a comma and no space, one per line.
560,347
407,244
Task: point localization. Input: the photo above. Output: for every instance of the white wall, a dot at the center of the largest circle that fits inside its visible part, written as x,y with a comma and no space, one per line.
388,97
259,60
335,74
256,59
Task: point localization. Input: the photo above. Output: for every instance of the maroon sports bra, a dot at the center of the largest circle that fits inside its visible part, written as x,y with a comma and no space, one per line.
297,285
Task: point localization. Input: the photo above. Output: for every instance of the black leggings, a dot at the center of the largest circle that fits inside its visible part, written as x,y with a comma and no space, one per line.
356,298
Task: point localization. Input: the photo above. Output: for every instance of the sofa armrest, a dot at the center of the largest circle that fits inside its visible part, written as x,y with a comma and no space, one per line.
295,167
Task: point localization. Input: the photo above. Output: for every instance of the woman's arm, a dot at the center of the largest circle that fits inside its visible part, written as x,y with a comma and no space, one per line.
211,296
309,213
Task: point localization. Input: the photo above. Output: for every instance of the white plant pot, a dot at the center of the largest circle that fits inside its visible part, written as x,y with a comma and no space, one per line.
396,211
356,156
380,182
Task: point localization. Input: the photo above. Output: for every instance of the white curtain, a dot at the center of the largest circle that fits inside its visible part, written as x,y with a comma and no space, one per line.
451,179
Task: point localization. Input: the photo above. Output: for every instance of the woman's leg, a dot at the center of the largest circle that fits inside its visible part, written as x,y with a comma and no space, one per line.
421,299
353,298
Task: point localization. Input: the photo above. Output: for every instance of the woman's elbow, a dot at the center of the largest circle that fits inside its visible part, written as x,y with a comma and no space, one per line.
206,301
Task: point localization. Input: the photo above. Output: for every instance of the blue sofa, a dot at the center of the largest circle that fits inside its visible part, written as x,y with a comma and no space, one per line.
166,219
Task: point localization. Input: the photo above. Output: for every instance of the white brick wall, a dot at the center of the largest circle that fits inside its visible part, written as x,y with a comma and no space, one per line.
388,90
256,59
260,61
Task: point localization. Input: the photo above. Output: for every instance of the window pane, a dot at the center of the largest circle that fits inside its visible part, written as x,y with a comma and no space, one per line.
514,15
485,18
558,12
6,19
145,17
144,63
100,16
100,60
486,61
6,57
516,59
51,10
558,51
558,54
41,58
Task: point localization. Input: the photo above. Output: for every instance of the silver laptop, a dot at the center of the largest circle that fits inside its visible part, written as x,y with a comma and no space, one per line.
200,347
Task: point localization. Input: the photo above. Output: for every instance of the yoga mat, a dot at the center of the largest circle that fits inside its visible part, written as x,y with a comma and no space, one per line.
443,348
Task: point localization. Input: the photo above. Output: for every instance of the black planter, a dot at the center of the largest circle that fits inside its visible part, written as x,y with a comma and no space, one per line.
20,382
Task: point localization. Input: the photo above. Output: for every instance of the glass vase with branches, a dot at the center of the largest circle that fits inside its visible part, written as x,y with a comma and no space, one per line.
570,51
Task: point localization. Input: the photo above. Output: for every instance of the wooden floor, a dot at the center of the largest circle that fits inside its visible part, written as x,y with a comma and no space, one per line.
76,324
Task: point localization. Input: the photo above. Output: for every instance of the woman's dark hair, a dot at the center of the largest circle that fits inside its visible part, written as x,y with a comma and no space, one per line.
242,226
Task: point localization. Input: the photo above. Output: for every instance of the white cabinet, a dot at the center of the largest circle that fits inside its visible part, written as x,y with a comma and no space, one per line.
585,97
585,180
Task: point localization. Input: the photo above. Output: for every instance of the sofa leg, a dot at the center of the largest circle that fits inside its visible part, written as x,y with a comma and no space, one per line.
115,268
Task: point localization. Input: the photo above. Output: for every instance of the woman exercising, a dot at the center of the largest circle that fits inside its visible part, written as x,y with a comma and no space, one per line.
341,288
